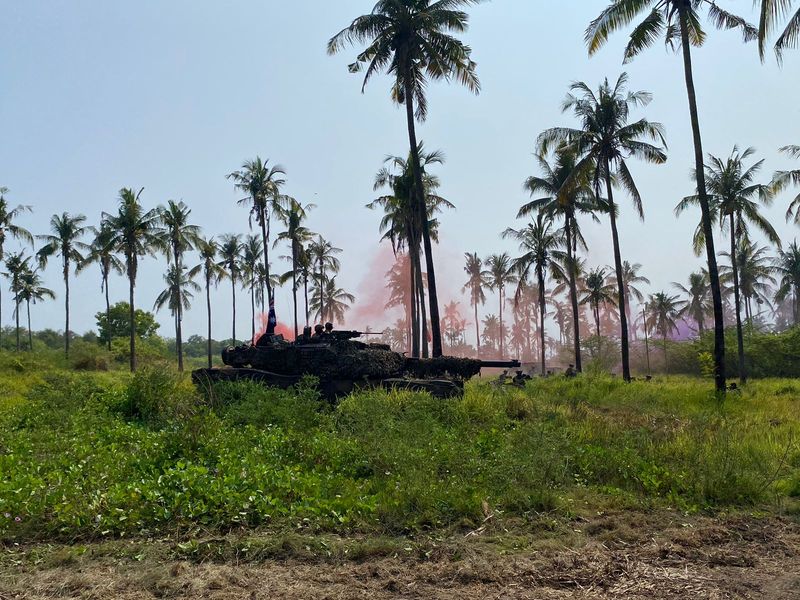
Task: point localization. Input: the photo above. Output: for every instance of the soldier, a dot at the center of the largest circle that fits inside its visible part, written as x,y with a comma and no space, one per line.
328,327
318,331
570,372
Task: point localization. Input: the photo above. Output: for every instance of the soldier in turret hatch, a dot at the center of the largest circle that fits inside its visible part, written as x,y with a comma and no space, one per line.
328,327
318,331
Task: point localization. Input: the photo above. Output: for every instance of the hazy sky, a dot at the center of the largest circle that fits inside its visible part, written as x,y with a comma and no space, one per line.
172,95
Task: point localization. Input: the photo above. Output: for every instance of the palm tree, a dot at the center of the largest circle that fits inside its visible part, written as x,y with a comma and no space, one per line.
230,253
565,194
330,302
251,253
663,311
177,296
596,292
135,235
32,290
733,201
783,179
679,22
65,240
292,214
755,276
324,265
411,40
697,304
603,143
262,184
177,236
102,251
499,275
630,279
787,267
493,333
401,227
212,273
9,227
770,12
539,242
476,282
17,264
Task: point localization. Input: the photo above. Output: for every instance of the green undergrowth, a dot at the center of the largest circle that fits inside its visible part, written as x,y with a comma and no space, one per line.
92,455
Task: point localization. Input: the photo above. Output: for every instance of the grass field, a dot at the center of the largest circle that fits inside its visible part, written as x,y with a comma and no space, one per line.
90,456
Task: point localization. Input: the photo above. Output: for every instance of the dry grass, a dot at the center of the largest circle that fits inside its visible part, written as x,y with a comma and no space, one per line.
625,555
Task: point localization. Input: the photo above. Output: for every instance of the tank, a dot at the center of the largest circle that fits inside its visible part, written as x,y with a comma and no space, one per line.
343,363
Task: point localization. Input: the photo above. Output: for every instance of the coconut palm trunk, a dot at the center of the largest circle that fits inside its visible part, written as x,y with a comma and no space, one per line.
294,286
132,319
646,340
66,306
737,301
108,304
208,310
252,313
573,294
264,240
540,278
413,267
477,330
233,306
664,340
716,295
305,293
423,316
421,210
30,335
502,331
623,318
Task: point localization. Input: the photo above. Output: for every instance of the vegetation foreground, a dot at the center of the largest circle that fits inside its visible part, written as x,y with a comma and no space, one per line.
92,456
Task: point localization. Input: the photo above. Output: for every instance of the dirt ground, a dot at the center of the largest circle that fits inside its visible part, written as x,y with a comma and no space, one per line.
610,556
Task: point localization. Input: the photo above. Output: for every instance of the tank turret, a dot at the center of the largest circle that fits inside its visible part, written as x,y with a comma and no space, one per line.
343,363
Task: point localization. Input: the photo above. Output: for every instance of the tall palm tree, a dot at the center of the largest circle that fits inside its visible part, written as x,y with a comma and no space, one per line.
539,243
262,184
17,264
102,251
783,179
698,304
734,201
251,253
332,300
787,267
135,235
663,311
630,280
770,13
476,282
566,193
32,290
177,296
325,264
412,41
603,143
65,240
400,225
500,275
230,254
597,291
9,228
679,22
212,273
292,214
176,236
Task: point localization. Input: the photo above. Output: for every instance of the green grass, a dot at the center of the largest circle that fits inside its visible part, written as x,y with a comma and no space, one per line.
88,455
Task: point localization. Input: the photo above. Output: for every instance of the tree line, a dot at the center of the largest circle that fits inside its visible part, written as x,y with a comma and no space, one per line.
123,237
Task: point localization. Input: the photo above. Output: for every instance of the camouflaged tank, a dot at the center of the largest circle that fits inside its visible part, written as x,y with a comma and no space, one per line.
342,364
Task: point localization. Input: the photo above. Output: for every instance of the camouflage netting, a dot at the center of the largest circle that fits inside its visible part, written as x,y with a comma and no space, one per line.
338,360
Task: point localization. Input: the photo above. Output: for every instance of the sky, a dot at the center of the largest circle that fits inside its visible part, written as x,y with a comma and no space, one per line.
173,95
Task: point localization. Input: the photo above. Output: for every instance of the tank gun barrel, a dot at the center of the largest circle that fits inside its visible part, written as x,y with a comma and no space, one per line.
501,364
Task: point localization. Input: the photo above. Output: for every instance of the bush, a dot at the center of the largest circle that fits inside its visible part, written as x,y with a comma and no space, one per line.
86,356
157,395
